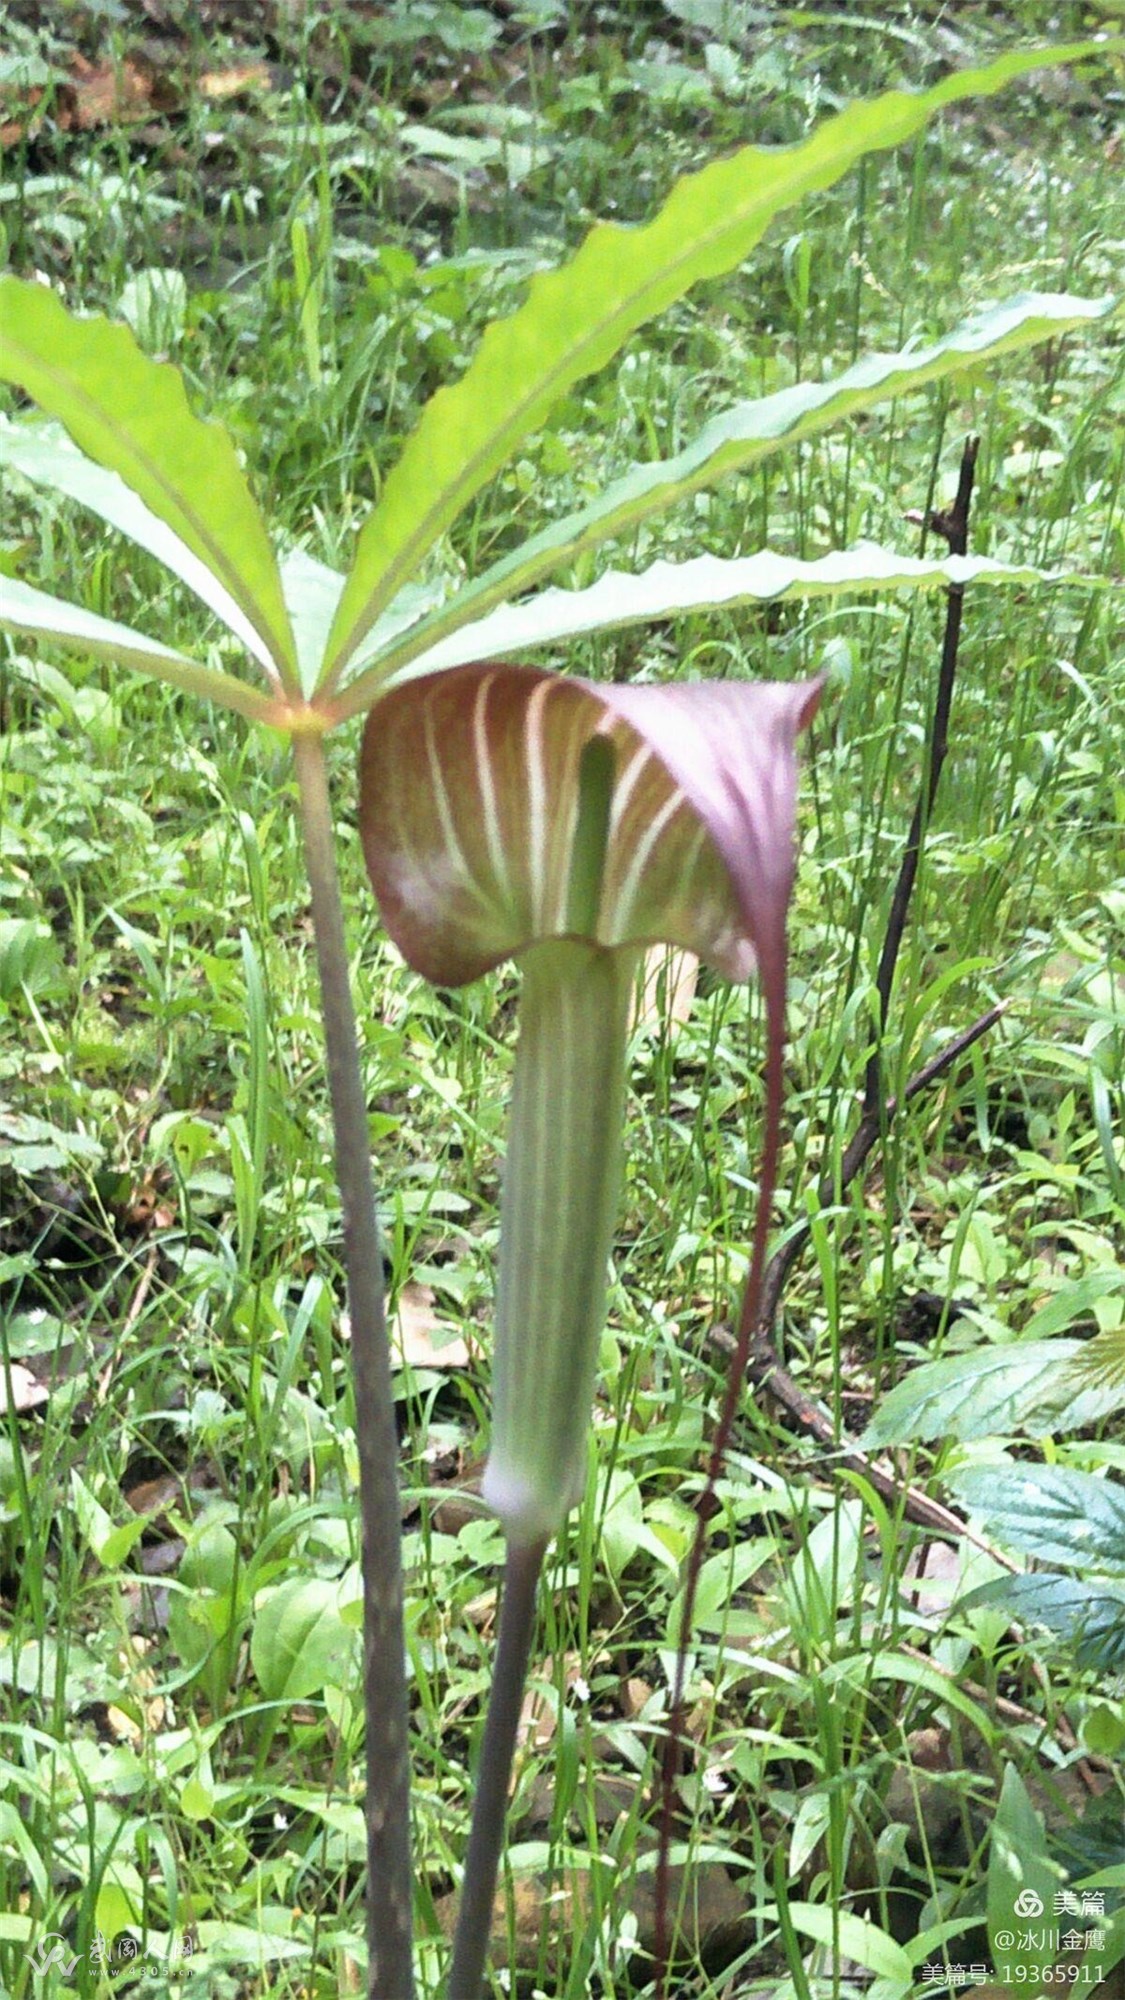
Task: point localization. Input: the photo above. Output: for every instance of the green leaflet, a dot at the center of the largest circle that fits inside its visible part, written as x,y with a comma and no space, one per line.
312,592
24,609
132,416
44,454
668,590
577,318
735,441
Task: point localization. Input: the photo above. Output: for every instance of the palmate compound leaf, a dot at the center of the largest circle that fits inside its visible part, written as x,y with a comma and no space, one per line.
577,317
131,415
735,440
470,791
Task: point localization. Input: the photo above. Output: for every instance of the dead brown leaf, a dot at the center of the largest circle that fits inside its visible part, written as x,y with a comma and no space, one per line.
536,1725
28,1393
480,1611
220,84
149,1708
162,1495
635,1695
419,1338
107,94
459,1491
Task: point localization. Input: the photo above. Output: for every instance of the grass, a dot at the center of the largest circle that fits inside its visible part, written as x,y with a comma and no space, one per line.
181,1740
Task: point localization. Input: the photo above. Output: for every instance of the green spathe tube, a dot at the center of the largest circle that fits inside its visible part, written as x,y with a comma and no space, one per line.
558,1207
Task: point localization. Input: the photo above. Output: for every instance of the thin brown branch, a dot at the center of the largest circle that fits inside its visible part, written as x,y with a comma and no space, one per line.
871,1128
954,526
846,1454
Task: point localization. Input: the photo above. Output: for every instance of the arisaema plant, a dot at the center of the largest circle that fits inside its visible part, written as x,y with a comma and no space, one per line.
504,811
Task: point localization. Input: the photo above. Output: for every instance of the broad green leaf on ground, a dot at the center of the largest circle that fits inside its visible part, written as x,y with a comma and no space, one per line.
25,609
1050,1511
668,590
131,414
1074,1301
576,319
1098,1369
44,454
249,1947
822,1575
109,1541
32,1146
299,1643
720,1603
990,1391
1089,1613
908,1672
742,437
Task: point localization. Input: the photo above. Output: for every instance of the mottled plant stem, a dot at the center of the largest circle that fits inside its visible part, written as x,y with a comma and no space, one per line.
390,1973
486,1838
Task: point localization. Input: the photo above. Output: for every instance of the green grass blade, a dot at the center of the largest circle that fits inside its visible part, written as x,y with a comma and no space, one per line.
24,609
45,455
668,590
131,415
577,318
742,437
